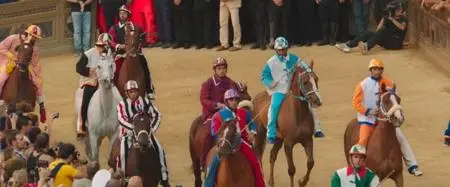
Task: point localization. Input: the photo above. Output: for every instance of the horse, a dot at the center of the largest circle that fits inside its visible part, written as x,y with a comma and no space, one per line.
19,87
234,169
295,122
198,133
384,155
142,158
102,114
131,68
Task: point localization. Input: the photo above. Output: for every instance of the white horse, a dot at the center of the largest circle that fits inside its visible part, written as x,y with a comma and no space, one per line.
102,113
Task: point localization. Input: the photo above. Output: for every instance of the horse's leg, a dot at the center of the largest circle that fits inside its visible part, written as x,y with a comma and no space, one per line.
399,180
288,149
308,146
273,157
260,142
195,165
112,138
93,141
87,147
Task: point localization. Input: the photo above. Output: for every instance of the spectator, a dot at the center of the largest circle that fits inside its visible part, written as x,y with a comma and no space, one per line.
182,22
361,12
23,125
227,9
17,143
259,18
18,179
329,15
12,165
62,170
81,20
135,181
163,23
204,21
91,170
390,33
278,19
39,157
32,134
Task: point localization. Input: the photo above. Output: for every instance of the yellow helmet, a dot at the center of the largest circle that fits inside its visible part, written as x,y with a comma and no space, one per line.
375,63
35,31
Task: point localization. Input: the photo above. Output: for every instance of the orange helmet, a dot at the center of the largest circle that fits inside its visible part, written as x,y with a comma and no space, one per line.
35,31
375,63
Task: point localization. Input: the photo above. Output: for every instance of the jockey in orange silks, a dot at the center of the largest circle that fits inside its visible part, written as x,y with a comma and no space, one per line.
244,118
365,102
7,59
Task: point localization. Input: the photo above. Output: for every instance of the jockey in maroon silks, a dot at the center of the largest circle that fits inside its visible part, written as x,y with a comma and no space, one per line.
245,125
117,33
211,97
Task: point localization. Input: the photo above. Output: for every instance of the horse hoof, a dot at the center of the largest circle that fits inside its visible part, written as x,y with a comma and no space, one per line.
301,183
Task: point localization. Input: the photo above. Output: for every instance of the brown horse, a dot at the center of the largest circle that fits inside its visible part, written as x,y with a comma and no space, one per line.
384,156
295,122
234,169
131,68
19,86
198,133
142,158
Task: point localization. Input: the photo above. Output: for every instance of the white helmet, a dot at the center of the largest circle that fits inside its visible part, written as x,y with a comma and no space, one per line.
281,43
357,149
131,84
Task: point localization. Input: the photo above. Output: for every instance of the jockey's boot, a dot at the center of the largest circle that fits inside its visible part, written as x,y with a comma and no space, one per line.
319,134
414,170
325,39
447,141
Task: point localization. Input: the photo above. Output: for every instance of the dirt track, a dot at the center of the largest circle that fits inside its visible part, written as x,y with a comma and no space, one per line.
178,74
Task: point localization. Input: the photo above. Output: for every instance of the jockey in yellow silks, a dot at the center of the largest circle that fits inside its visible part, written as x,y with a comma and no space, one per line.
8,58
365,101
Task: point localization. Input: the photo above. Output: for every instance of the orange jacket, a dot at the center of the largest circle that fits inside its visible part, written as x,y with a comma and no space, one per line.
366,94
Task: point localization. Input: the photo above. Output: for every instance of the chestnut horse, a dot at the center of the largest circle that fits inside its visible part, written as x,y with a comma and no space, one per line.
198,133
384,155
142,158
234,169
295,122
19,86
131,68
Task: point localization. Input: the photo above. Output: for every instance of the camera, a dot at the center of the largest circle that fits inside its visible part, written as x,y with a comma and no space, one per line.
391,7
42,164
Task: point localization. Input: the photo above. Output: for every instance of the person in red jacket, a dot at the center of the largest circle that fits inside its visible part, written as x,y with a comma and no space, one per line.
245,125
144,16
211,95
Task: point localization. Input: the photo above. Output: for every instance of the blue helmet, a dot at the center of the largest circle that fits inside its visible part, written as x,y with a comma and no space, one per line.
281,43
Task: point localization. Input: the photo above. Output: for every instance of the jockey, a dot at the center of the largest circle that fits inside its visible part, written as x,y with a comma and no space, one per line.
356,174
245,121
7,54
117,33
88,78
365,101
276,77
126,109
211,97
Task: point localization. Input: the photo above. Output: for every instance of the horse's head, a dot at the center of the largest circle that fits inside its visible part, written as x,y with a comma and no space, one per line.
105,70
229,138
142,131
390,107
133,39
243,93
305,84
24,55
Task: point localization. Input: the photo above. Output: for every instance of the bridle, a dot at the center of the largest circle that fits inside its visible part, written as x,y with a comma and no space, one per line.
305,93
141,132
387,113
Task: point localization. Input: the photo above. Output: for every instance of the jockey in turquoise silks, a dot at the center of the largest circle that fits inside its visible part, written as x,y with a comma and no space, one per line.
276,77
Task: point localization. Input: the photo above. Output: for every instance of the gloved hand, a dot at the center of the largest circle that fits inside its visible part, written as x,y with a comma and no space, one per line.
374,112
42,113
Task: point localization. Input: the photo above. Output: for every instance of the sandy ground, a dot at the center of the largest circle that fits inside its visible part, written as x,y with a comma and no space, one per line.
177,75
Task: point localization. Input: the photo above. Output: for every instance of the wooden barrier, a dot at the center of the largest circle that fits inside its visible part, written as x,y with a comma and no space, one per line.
50,15
430,32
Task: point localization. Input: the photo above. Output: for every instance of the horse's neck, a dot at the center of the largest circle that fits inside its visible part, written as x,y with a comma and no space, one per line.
106,98
300,108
